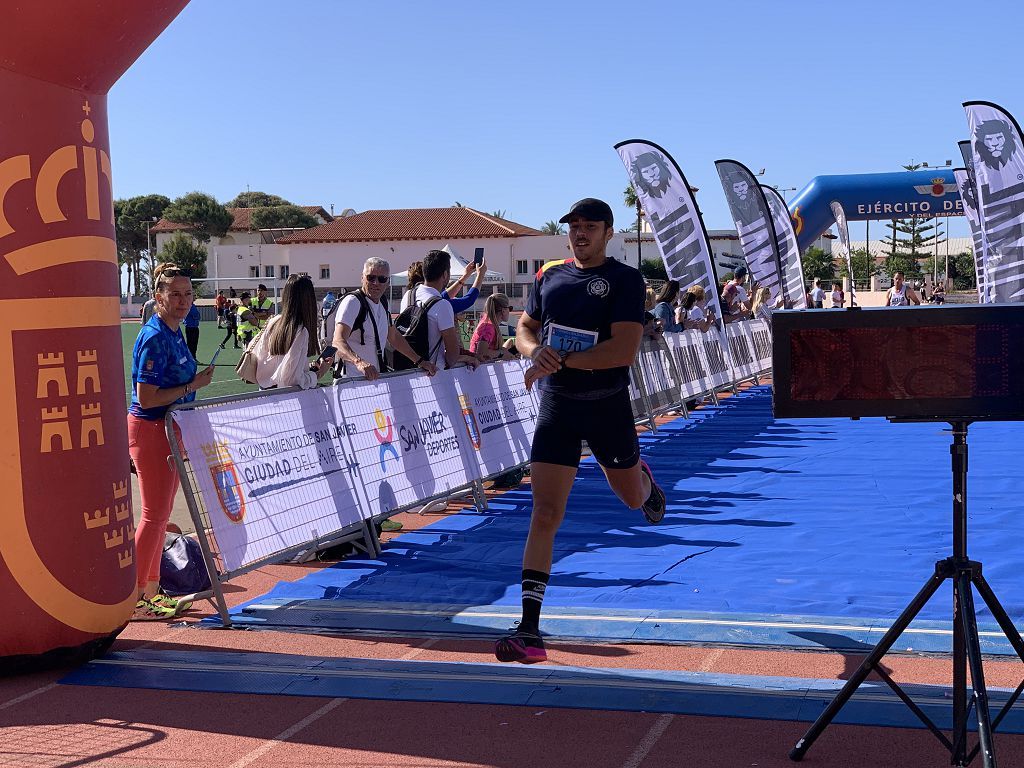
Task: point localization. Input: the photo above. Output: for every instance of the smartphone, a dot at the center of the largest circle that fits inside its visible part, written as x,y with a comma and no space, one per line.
217,352
328,353
478,257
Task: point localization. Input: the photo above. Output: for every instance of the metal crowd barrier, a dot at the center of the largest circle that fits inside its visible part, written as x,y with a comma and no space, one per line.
669,370
362,534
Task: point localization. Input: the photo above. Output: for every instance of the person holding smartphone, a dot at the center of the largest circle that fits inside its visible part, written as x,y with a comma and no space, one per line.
164,372
290,339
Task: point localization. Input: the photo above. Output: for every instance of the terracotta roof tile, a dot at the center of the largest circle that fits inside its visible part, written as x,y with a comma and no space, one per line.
242,219
412,224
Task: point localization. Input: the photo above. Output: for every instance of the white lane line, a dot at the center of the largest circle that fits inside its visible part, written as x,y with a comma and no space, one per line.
789,626
284,735
27,696
425,646
44,688
264,748
647,742
710,660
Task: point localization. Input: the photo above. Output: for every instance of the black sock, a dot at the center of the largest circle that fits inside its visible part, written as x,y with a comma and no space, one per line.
534,585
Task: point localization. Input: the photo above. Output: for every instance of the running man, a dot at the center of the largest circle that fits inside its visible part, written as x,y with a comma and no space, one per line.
900,294
582,328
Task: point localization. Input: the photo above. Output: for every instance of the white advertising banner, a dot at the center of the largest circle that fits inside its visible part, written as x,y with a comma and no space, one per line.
497,414
655,364
761,341
407,432
744,364
715,353
691,362
274,472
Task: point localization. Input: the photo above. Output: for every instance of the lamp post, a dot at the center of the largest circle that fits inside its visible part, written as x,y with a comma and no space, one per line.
935,258
149,251
639,251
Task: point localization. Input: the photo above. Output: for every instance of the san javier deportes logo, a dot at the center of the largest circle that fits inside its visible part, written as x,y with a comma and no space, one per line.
225,480
385,434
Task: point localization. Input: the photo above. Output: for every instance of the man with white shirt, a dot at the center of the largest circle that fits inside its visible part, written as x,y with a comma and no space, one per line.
443,343
363,330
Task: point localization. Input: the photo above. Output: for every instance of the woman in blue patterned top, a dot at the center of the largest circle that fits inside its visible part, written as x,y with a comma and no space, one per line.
164,372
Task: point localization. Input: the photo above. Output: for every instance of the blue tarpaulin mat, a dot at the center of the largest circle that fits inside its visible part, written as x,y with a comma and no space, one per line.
819,519
629,690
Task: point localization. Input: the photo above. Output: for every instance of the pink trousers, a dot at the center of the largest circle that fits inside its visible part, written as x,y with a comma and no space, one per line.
158,484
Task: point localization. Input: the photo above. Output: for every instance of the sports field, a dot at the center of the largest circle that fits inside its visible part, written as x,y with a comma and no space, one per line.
225,382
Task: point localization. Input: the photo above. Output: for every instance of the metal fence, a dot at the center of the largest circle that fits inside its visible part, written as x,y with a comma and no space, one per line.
669,370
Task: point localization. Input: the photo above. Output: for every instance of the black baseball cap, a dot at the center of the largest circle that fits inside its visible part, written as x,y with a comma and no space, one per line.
591,209
741,271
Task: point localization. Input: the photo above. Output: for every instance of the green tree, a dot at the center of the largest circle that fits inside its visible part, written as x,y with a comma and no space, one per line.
552,228
501,213
130,219
256,200
817,263
183,251
963,271
917,237
201,214
282,217
653,269
863,265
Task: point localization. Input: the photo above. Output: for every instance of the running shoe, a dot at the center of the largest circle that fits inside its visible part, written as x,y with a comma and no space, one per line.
654,507
166,601
519,645
147,610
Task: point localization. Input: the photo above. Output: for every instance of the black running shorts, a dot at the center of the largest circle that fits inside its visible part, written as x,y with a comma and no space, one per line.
606,424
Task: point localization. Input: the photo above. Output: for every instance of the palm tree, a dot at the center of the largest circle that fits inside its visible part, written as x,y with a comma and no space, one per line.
629,197
499,214
552,228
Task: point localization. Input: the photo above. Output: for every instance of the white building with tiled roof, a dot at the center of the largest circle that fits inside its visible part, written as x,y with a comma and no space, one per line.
243,251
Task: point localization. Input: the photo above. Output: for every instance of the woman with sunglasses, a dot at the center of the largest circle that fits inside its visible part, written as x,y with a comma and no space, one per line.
164,372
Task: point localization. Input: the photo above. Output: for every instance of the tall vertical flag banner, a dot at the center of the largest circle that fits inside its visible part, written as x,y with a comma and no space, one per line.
674,217
789,250
998,157
754,226
967,184
844,244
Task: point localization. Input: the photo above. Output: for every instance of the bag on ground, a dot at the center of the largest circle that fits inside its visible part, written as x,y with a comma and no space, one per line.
182,570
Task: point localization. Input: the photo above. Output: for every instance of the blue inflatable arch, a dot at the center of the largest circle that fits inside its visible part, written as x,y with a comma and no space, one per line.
872,196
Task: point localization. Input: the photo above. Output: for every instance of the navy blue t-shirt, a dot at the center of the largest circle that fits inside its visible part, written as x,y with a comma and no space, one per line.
576,308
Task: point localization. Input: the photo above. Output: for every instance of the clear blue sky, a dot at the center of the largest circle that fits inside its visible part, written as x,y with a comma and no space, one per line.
516,106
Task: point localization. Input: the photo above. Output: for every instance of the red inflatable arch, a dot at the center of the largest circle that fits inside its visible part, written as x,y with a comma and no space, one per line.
67,577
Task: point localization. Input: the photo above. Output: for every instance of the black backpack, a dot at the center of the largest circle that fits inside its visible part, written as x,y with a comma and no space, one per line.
358,325
412,324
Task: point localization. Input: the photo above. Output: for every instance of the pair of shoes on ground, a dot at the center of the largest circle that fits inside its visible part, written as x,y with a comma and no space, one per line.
521,645
159,607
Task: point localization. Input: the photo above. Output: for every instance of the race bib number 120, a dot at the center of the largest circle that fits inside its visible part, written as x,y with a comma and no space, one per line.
563,338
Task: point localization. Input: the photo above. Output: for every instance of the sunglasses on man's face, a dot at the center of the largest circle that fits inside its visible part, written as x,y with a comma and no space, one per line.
382,279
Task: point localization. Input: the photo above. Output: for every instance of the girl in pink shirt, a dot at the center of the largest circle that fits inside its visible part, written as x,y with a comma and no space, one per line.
486,343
